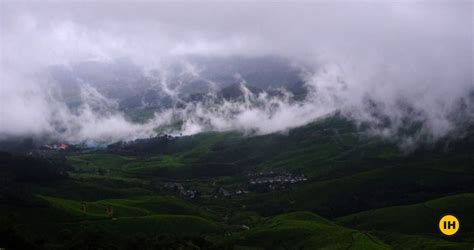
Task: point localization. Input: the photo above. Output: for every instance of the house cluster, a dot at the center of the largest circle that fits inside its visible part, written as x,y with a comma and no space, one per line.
224,193
55,147
274,180
50,150
180,190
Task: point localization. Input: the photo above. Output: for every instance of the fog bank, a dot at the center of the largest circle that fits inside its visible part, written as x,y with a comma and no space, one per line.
386,65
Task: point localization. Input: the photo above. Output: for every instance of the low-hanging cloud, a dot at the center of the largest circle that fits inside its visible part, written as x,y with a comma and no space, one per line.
382,64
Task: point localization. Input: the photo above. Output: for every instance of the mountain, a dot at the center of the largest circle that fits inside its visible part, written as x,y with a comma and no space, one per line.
122,80
326,184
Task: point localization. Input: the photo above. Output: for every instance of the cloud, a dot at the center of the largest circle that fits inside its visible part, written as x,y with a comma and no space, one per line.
383,64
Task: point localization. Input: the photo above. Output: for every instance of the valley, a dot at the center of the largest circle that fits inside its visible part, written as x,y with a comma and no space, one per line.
321,185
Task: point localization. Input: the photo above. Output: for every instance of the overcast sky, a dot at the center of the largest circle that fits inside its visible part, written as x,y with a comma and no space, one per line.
421,52
308,29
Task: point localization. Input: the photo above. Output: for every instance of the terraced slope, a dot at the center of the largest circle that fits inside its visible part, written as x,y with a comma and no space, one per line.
304,230
418,223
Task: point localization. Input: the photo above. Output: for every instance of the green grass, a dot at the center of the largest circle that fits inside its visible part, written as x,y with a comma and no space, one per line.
369,189
171,224
421,218
403,241
132,207
97,160
160,205
303,230
387,199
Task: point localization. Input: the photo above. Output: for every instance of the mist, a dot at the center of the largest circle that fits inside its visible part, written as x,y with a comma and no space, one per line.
385,65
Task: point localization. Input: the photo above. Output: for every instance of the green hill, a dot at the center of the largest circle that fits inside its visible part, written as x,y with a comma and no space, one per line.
304,230
418,219
421,218
133,207
371,192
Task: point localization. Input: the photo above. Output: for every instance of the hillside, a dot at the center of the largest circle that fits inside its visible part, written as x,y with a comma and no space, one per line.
218,190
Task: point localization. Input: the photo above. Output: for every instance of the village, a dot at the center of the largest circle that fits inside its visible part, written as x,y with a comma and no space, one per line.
273,180
256,182
55,147
180,190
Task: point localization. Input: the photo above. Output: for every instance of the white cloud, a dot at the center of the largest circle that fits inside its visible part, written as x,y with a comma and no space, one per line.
402,56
